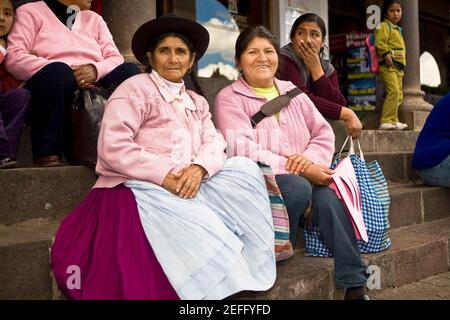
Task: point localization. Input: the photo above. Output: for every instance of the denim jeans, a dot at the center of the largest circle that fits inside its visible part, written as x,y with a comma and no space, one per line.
439,175
329,215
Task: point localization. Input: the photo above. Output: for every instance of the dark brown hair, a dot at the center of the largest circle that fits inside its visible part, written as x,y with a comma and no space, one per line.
192,75
155,42
250,33
310,17
387,4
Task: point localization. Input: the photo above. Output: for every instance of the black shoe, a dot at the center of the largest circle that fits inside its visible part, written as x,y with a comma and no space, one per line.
6,163
48,161
357,293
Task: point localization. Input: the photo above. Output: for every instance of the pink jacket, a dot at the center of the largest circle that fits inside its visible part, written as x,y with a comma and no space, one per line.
301,129
38,38
143,138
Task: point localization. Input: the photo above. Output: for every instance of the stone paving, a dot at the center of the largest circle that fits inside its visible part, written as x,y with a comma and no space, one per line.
432,288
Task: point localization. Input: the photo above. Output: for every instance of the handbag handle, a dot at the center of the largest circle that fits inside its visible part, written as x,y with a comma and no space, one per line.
361,155
352,147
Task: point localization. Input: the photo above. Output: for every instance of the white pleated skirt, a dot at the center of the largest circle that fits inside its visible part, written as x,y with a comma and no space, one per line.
217,244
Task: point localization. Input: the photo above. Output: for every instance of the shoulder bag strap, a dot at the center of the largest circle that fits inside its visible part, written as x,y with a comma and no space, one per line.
275,105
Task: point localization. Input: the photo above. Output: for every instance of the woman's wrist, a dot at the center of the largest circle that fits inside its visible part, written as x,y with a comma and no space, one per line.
346,114
203,170
317,73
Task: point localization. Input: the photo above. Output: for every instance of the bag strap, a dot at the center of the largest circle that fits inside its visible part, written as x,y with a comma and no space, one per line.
352,148
275,105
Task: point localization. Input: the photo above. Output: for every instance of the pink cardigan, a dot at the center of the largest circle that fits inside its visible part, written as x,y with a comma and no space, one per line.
301,129
38,38
143,138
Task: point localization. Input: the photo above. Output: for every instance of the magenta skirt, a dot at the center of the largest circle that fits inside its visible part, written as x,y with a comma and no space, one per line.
101,251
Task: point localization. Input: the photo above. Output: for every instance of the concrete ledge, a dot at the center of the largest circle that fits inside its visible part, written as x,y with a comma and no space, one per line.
24,252
417,252
415,204
396,166
388,141
432,288
31,193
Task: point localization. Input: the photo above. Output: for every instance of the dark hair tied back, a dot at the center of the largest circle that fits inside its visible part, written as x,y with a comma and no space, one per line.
250,33
309,17
387,4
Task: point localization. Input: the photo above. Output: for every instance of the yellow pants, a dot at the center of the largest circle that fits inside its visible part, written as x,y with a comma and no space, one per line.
393,82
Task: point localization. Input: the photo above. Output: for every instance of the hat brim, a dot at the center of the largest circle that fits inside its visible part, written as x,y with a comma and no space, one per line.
152,29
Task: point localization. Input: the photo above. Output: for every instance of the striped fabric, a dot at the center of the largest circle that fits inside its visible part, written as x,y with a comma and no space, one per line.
283,246
375,203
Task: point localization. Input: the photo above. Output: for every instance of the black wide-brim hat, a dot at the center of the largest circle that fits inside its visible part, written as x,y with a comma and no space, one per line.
152,29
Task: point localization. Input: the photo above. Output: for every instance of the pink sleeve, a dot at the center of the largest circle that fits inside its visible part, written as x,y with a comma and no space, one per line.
211,155
111,55
235,125
117,150
19,61
320,149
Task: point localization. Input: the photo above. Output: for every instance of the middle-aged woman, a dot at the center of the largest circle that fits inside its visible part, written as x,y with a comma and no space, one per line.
57,46
303,65
207,219
297,143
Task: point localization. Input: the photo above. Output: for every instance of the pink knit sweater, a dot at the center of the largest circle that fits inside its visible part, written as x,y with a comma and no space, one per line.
143,138
38,38
300,130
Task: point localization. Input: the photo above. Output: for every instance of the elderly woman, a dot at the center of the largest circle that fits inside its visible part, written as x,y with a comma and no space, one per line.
297,143
207,219
57,46
303,65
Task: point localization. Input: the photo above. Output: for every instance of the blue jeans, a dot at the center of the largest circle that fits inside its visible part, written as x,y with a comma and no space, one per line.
439,175
329,215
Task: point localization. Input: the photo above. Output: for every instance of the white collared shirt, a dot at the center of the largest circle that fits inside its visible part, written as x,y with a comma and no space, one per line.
175,94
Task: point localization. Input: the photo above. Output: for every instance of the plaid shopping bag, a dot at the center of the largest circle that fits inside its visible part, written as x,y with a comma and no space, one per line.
375,202
283,246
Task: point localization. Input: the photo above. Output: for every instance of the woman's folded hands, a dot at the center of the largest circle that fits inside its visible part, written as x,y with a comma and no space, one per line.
186,182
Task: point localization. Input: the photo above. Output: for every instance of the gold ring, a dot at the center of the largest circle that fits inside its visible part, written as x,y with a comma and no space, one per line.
82,81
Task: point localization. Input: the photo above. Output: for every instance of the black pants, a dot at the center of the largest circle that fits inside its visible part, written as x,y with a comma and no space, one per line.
329,215
53,90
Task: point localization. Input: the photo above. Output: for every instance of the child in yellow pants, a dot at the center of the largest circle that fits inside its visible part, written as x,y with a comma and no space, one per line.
392,51
393,82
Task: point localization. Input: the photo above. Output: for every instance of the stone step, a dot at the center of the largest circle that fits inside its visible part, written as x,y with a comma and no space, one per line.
416,203
417,253
371,119
24,253
30,193
371,141
24,155
432,288
396,166
411,204
388,141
